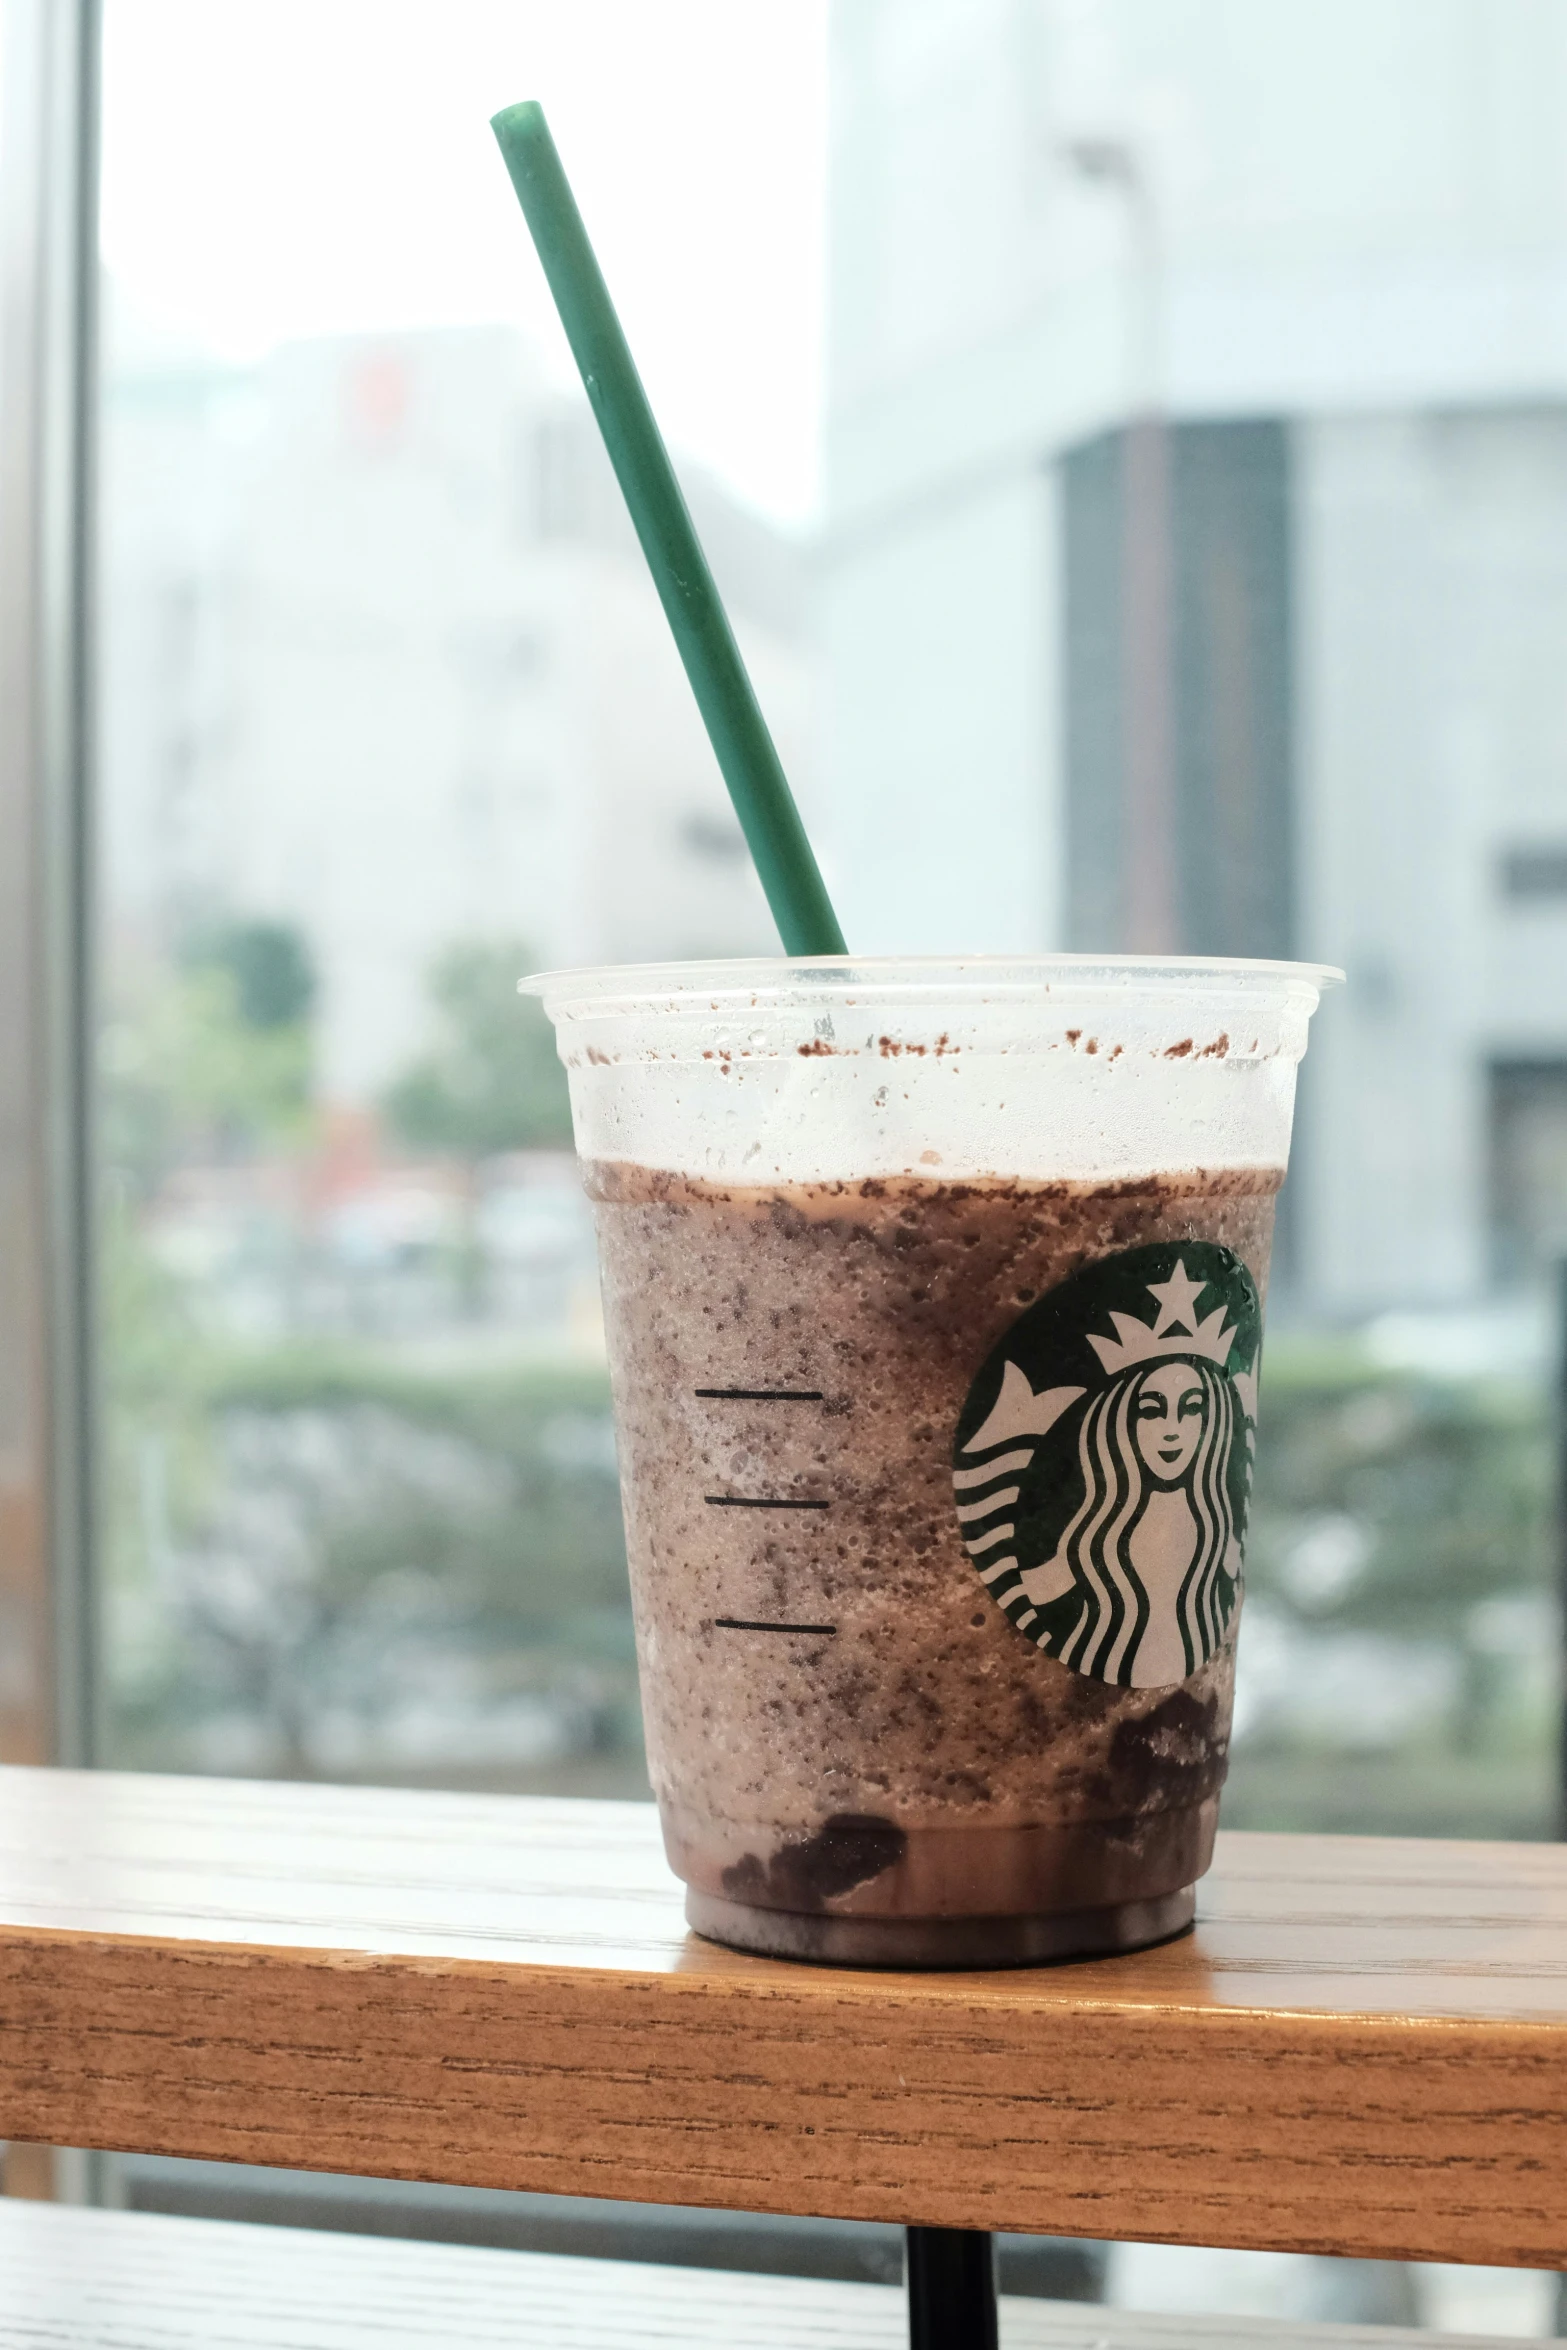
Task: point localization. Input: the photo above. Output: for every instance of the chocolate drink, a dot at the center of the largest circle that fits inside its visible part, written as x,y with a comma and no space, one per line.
934,1500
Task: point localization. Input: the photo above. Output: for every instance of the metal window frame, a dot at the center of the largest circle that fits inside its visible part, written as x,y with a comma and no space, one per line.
49,138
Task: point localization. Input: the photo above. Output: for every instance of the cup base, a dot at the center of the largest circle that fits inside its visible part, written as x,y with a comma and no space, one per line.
930,1943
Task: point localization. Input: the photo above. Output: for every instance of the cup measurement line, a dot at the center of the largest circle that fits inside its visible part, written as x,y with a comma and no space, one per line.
748,1501
754,1624
761,1394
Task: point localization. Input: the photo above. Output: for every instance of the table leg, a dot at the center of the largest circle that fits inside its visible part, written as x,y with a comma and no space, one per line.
950,2274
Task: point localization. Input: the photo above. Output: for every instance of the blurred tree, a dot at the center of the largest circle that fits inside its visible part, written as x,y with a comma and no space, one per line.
210,1058
1415,1514
492,1081
312,1553
1394,1504
270,964
325,1541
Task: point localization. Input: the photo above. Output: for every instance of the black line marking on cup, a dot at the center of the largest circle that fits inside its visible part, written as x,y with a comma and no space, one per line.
750,1624
746,1501
762,1394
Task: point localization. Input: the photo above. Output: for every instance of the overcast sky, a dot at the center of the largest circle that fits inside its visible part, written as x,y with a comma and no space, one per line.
276,168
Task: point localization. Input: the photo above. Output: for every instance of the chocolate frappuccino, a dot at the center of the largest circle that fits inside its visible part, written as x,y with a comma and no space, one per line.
934,1499
933,1301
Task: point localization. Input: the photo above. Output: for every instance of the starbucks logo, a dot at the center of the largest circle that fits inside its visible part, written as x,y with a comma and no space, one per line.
1103,1462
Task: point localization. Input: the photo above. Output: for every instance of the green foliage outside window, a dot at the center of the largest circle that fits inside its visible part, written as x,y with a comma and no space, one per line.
1415,1516
208,1057
304,1537
491,1081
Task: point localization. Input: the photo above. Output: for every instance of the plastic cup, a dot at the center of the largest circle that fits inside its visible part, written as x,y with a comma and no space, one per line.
933,1295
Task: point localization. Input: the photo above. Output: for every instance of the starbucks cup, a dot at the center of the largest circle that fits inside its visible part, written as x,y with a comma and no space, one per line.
933,1293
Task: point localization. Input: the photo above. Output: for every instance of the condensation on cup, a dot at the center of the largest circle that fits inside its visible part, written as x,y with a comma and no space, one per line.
934,1297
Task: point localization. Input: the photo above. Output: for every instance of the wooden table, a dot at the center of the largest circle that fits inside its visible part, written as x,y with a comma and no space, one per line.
1363,2048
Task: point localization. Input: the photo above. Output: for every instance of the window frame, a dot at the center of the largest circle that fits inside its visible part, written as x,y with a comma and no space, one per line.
50,53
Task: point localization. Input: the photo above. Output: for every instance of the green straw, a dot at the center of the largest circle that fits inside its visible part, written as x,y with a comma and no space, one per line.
738,731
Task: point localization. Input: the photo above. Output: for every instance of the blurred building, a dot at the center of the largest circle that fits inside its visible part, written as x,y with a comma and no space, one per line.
1197,443
384,661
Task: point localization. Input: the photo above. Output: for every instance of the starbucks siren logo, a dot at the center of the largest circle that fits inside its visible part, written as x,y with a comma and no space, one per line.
1103,1462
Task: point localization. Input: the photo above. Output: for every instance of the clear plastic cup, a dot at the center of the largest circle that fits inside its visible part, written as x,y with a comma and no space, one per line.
933,1293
